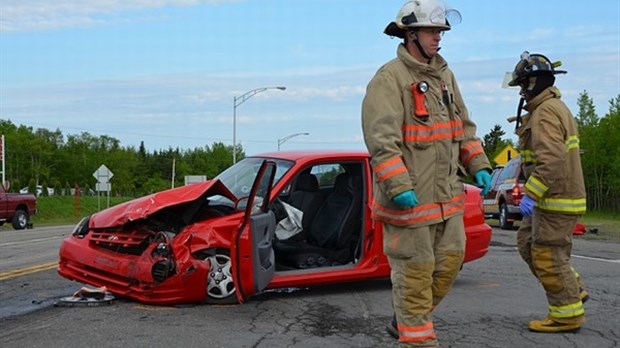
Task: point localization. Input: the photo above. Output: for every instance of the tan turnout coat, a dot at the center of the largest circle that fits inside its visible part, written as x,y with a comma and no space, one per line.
550,150
424,154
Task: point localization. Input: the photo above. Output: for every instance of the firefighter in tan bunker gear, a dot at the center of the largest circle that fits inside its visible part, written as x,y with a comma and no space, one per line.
419,134
554,193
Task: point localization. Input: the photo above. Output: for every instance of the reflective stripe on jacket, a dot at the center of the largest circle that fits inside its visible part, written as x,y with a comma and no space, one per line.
550,140
420,153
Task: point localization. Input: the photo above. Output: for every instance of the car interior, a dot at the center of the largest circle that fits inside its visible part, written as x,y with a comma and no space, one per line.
330,197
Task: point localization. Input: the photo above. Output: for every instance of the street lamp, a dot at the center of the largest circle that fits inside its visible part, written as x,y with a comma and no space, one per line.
289,137
240,100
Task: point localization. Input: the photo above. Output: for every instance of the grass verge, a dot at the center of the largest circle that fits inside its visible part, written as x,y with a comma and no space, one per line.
599,225
63,210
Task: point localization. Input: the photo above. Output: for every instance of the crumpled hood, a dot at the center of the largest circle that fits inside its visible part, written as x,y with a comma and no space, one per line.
143,207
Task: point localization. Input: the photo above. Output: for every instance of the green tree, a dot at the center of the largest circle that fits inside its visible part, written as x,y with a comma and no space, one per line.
586,117
609,127
600,144
32,186
220,158
592,159
493,142
15,185
44,191
57,188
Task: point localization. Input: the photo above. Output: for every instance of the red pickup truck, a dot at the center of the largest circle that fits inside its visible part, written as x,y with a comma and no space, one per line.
502,201
17,208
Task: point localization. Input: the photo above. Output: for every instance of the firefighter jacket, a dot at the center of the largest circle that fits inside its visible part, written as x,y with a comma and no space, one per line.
550,144
425,154
527,156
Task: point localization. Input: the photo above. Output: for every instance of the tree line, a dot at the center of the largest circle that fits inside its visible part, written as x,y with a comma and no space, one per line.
46,158
49,159
600,151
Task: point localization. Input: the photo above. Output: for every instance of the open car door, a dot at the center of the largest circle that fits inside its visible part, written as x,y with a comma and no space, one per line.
254,258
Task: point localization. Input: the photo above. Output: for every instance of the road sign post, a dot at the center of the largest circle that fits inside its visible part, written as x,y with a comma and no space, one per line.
103,176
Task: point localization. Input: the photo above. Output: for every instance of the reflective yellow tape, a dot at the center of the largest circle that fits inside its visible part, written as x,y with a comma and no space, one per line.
568,311
536,187
572,142
565,205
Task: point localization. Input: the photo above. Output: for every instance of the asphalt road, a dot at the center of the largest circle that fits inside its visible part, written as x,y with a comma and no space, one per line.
489,306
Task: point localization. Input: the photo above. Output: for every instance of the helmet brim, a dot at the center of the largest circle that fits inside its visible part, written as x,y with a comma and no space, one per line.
393,29
517,80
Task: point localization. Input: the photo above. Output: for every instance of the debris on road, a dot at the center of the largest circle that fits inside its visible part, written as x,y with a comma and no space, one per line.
88,297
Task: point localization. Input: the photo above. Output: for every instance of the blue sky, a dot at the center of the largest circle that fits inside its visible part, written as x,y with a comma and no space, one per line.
166,71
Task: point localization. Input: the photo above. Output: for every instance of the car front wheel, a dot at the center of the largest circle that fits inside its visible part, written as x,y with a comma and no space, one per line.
20,220
503,218
221,287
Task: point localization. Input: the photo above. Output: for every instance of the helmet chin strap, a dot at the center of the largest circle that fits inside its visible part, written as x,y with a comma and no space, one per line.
519,110
422,52
417,44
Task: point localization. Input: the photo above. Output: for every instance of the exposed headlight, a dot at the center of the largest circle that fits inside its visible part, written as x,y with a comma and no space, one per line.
163,270
161,250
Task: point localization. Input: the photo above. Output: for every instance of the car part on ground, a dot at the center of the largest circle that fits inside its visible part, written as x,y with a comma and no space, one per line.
87,297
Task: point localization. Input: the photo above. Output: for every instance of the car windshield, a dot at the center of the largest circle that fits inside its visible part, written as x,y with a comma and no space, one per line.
239,177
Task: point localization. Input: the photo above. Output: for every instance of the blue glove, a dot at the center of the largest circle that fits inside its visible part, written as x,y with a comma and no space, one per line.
406,199
527,205
483,180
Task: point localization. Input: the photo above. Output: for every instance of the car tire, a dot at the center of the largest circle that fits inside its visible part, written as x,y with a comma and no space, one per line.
20,219
220,284
504,224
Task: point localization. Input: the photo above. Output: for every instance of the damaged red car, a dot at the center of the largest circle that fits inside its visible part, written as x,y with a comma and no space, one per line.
271,221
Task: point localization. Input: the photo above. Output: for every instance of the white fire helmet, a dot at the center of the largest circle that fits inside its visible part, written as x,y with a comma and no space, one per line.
422,14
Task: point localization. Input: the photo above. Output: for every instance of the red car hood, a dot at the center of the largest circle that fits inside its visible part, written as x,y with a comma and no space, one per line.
143,207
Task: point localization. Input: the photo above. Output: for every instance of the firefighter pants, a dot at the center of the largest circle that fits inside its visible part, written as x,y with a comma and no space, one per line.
425,262
544,242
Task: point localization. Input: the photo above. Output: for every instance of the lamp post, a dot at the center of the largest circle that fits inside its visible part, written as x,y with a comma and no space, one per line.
289,137
240,100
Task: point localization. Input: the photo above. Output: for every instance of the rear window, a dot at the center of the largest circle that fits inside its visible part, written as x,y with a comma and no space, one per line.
495,176
512,170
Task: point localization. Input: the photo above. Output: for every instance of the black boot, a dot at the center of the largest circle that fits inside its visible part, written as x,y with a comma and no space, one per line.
583,295
392,327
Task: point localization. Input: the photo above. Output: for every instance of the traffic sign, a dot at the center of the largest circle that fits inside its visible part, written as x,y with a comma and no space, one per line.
103,187
103,174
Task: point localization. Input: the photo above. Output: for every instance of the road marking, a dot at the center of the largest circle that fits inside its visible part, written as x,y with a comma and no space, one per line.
582,257
29,241
28,270
596,259
153,308
489,285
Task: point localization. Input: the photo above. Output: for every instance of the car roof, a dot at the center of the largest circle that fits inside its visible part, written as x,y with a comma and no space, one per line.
314,154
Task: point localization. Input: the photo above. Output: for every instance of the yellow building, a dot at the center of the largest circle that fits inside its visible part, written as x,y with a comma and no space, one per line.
507,153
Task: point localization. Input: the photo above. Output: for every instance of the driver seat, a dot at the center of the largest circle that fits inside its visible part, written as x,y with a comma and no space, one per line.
308,199
333,231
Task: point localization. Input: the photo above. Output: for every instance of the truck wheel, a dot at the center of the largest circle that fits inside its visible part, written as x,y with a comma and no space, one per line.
504,224
20,219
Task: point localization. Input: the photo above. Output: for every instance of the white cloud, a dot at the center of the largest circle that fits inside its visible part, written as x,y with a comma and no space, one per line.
40,15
